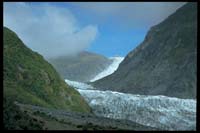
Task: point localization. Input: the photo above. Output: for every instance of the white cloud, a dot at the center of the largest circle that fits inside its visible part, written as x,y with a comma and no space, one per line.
47,29
134,14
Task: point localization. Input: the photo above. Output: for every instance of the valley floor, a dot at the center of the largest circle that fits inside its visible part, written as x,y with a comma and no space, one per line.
55,119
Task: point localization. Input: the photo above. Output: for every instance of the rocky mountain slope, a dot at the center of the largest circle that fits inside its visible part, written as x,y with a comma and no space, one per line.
29,79
164,63
81,67
36,98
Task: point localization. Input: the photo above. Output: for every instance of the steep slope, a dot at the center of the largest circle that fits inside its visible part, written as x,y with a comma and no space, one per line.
29,79
110,69
81,67
164,63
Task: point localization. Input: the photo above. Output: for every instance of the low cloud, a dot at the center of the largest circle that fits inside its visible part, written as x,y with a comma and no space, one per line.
52,31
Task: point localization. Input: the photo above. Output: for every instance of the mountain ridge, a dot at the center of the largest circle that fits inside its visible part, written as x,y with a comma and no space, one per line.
81,67
164,62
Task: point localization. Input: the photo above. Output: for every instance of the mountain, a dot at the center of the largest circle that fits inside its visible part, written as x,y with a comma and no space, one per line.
29,79
35,97
164,63
81,67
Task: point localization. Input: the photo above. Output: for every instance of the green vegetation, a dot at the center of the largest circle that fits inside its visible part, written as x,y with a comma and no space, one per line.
29,79
15,119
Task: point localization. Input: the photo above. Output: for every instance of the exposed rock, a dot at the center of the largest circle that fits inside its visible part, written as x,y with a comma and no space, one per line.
164,63
84,121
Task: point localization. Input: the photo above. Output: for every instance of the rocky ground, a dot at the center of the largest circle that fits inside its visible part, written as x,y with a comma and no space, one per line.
54,119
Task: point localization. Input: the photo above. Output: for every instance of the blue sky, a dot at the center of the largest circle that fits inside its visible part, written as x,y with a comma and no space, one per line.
112,40
116,43
106,28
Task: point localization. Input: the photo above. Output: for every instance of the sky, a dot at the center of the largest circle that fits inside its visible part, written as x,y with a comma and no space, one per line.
66,28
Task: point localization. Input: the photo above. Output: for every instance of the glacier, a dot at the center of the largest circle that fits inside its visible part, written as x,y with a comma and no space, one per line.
78,85
162,112
156,111
111,68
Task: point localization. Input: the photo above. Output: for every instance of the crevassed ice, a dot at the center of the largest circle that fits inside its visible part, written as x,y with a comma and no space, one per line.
78,85
111,68
162,112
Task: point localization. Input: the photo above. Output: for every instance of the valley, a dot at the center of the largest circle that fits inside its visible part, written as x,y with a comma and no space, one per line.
62,86
164,63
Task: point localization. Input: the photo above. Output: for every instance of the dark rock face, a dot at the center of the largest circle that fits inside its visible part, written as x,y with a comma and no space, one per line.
82,67
164,63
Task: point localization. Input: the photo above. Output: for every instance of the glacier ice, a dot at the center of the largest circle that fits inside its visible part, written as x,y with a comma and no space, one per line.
78,85
111,68
162,112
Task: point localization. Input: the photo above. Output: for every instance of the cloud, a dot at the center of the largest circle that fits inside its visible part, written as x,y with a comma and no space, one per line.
50,30
131,14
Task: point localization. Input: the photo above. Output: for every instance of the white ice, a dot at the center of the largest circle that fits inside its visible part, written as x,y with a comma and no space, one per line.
165,113
78,85
111,68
